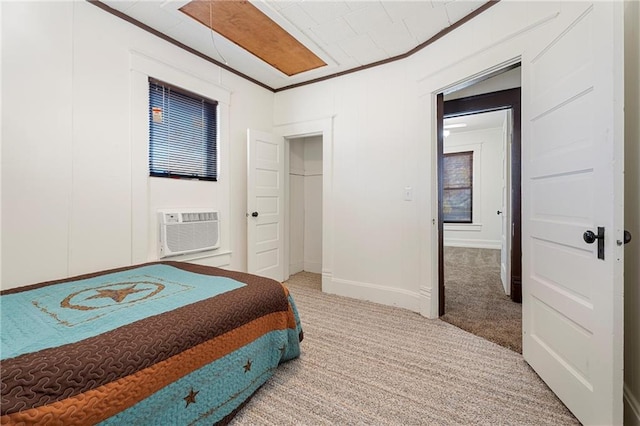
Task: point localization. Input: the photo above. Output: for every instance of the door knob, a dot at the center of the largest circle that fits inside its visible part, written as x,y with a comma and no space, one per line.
589,237
254,214
626,239
498,212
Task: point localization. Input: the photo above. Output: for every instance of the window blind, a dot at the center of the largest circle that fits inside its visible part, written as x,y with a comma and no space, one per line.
182,133
457,195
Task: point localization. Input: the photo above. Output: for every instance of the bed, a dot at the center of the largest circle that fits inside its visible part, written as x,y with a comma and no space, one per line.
159,343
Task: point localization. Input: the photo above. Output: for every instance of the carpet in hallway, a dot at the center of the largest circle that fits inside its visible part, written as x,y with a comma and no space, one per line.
475,300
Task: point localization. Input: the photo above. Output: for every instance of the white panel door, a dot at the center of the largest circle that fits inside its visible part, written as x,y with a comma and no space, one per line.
265,217
572,182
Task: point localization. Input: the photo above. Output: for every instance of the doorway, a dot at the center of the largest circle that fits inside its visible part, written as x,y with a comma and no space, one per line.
456,111
305,204
284,134
476,216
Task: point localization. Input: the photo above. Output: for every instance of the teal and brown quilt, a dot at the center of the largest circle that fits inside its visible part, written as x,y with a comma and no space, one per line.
159,343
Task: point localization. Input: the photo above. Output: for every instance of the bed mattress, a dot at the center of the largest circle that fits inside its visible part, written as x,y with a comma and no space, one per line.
159,343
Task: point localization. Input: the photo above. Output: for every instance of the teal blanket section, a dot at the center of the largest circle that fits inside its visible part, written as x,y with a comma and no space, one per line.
65,313
294,351
212,392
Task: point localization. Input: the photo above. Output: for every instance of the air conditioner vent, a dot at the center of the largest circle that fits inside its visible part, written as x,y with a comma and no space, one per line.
188,231
199,217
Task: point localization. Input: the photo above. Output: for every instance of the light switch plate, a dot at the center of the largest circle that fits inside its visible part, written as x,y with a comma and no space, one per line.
408,193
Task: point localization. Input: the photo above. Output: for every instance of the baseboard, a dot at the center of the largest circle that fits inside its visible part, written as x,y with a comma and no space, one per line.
631,408
314,267
426,304
486,244
372,292
326,280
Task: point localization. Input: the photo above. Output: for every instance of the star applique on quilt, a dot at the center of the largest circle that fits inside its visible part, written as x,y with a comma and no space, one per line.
191,398
117,295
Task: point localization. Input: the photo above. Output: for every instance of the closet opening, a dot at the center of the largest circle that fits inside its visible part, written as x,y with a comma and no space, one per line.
305,204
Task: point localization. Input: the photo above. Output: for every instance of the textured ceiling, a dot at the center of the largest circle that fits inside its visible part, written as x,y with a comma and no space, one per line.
245,25
475,122
345,35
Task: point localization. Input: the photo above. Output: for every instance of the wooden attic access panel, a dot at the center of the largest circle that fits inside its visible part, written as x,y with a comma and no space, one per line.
245,25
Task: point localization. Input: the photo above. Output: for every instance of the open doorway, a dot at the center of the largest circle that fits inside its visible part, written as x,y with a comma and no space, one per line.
305,206
504,262
319,167
476,216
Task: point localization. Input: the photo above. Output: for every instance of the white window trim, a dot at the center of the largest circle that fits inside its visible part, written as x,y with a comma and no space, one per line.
476,215
142,67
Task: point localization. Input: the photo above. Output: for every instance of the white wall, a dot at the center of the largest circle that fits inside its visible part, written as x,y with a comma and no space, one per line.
632,215
69,194
383,136
370,167
75,195
306,205
383,246
488,155
36,159
296,206
1,80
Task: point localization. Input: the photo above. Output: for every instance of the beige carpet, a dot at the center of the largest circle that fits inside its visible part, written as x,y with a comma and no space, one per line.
369,364
475,300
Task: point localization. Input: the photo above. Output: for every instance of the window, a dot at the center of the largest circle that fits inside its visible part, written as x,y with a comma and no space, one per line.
182,133
457,187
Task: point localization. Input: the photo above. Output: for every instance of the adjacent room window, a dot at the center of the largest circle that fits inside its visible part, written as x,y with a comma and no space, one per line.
457,197
183,132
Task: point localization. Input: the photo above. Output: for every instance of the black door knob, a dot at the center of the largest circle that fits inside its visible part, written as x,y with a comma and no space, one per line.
254,214
589,237
627,237
498,212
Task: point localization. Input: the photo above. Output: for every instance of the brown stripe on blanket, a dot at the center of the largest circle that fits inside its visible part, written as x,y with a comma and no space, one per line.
54,374
98,404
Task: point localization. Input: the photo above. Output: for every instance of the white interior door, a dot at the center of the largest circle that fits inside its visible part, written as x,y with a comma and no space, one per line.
572,182
505,216
265,195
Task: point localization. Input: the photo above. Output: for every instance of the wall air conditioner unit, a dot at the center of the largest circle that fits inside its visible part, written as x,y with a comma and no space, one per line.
188,231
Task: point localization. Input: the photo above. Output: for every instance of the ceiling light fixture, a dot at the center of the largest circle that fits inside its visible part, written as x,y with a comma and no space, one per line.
455,126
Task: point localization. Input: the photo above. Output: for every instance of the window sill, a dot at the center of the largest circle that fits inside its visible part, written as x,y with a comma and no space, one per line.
468,227
210,258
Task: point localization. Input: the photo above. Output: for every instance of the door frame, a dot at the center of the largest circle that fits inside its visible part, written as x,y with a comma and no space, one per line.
486,102
324,128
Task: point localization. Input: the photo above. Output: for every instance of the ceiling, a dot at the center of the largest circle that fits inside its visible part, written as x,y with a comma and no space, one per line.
475,122
345,35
